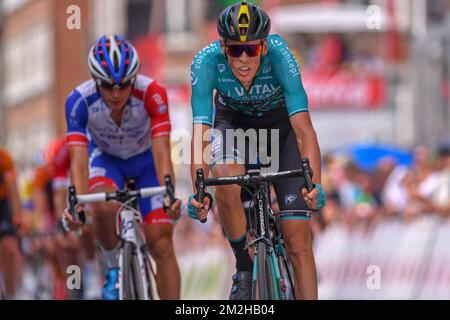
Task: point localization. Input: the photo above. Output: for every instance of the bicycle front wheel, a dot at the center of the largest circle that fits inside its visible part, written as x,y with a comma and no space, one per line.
264,273
131,280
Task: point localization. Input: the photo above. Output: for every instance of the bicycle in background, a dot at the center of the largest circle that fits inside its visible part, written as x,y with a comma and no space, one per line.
136,273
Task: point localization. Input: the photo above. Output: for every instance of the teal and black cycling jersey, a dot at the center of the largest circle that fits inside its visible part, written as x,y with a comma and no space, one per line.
277,84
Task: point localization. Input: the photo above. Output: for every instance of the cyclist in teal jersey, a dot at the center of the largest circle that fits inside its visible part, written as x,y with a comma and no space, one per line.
258,87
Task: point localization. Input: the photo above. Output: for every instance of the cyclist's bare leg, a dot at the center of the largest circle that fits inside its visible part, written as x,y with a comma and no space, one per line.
228,200
10,264
159,241
232,216
88,243
297,237
103,222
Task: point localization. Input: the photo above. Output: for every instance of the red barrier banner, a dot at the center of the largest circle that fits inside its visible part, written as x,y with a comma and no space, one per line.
344,91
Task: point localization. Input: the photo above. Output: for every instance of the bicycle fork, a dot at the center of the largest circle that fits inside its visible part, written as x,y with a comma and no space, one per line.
277,284
130,232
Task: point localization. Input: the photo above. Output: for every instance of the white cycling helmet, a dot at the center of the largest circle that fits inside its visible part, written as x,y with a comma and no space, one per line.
113,60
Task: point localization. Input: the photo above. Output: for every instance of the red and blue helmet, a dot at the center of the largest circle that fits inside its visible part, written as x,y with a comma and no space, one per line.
113,59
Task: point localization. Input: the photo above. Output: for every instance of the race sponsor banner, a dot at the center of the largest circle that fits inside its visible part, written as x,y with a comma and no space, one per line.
206,273
392,260
341,90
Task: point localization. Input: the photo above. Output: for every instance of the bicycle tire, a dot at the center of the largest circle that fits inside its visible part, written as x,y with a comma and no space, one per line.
131,277
287,273
149,275
264,276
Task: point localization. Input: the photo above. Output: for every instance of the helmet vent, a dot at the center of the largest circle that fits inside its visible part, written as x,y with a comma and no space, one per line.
115,61
243,19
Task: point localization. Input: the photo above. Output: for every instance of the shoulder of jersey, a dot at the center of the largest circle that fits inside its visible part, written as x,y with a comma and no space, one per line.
142,82
210,53
86,88
276,43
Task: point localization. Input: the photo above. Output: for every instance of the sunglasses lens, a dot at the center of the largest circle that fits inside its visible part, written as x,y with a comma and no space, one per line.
111,87
235,51
252,50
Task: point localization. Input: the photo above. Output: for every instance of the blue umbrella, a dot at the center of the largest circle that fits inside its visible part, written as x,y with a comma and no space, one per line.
368,155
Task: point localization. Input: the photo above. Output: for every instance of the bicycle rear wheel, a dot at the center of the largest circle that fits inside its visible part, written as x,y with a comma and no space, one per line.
131,280
264,273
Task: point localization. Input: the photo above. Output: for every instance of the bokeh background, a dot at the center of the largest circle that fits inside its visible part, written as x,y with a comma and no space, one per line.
377,77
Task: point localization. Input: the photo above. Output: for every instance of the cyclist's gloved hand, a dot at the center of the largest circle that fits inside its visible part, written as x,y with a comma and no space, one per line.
194,205
67,222
173,210
316,199
321,197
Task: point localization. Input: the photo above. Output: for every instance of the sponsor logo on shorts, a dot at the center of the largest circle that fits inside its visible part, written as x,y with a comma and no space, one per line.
290,198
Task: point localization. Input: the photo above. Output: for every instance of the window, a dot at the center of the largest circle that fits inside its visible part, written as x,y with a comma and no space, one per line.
25,142
138,17
108,17
8,6
181,20
28,63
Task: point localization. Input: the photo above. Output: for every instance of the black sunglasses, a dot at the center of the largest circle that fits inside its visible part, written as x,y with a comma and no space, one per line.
111,87
236,50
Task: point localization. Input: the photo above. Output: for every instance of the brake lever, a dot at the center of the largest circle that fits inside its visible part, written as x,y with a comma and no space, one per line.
200,186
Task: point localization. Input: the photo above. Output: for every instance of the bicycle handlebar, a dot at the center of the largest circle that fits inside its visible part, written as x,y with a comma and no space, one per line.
119,195
249,178
201,194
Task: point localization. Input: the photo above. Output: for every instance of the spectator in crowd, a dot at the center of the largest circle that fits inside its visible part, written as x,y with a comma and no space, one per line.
441,198
421,183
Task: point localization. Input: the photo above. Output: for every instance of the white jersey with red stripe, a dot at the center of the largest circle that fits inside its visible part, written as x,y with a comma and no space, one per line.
145,116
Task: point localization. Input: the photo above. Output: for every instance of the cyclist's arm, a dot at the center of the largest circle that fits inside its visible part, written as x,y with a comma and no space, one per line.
13,193
198,145
59,197
307,142
76,119
161,155
79,168
157,106
41,177
203,83
287,72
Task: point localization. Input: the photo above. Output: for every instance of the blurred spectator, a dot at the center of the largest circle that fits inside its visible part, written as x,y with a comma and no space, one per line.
363,58
421,183
394,195
441,198
328,55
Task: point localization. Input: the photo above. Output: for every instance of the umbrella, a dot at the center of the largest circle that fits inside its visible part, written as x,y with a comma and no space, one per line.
368,155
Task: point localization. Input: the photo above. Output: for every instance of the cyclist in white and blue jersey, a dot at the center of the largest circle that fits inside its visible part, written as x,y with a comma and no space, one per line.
118,128
258,86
